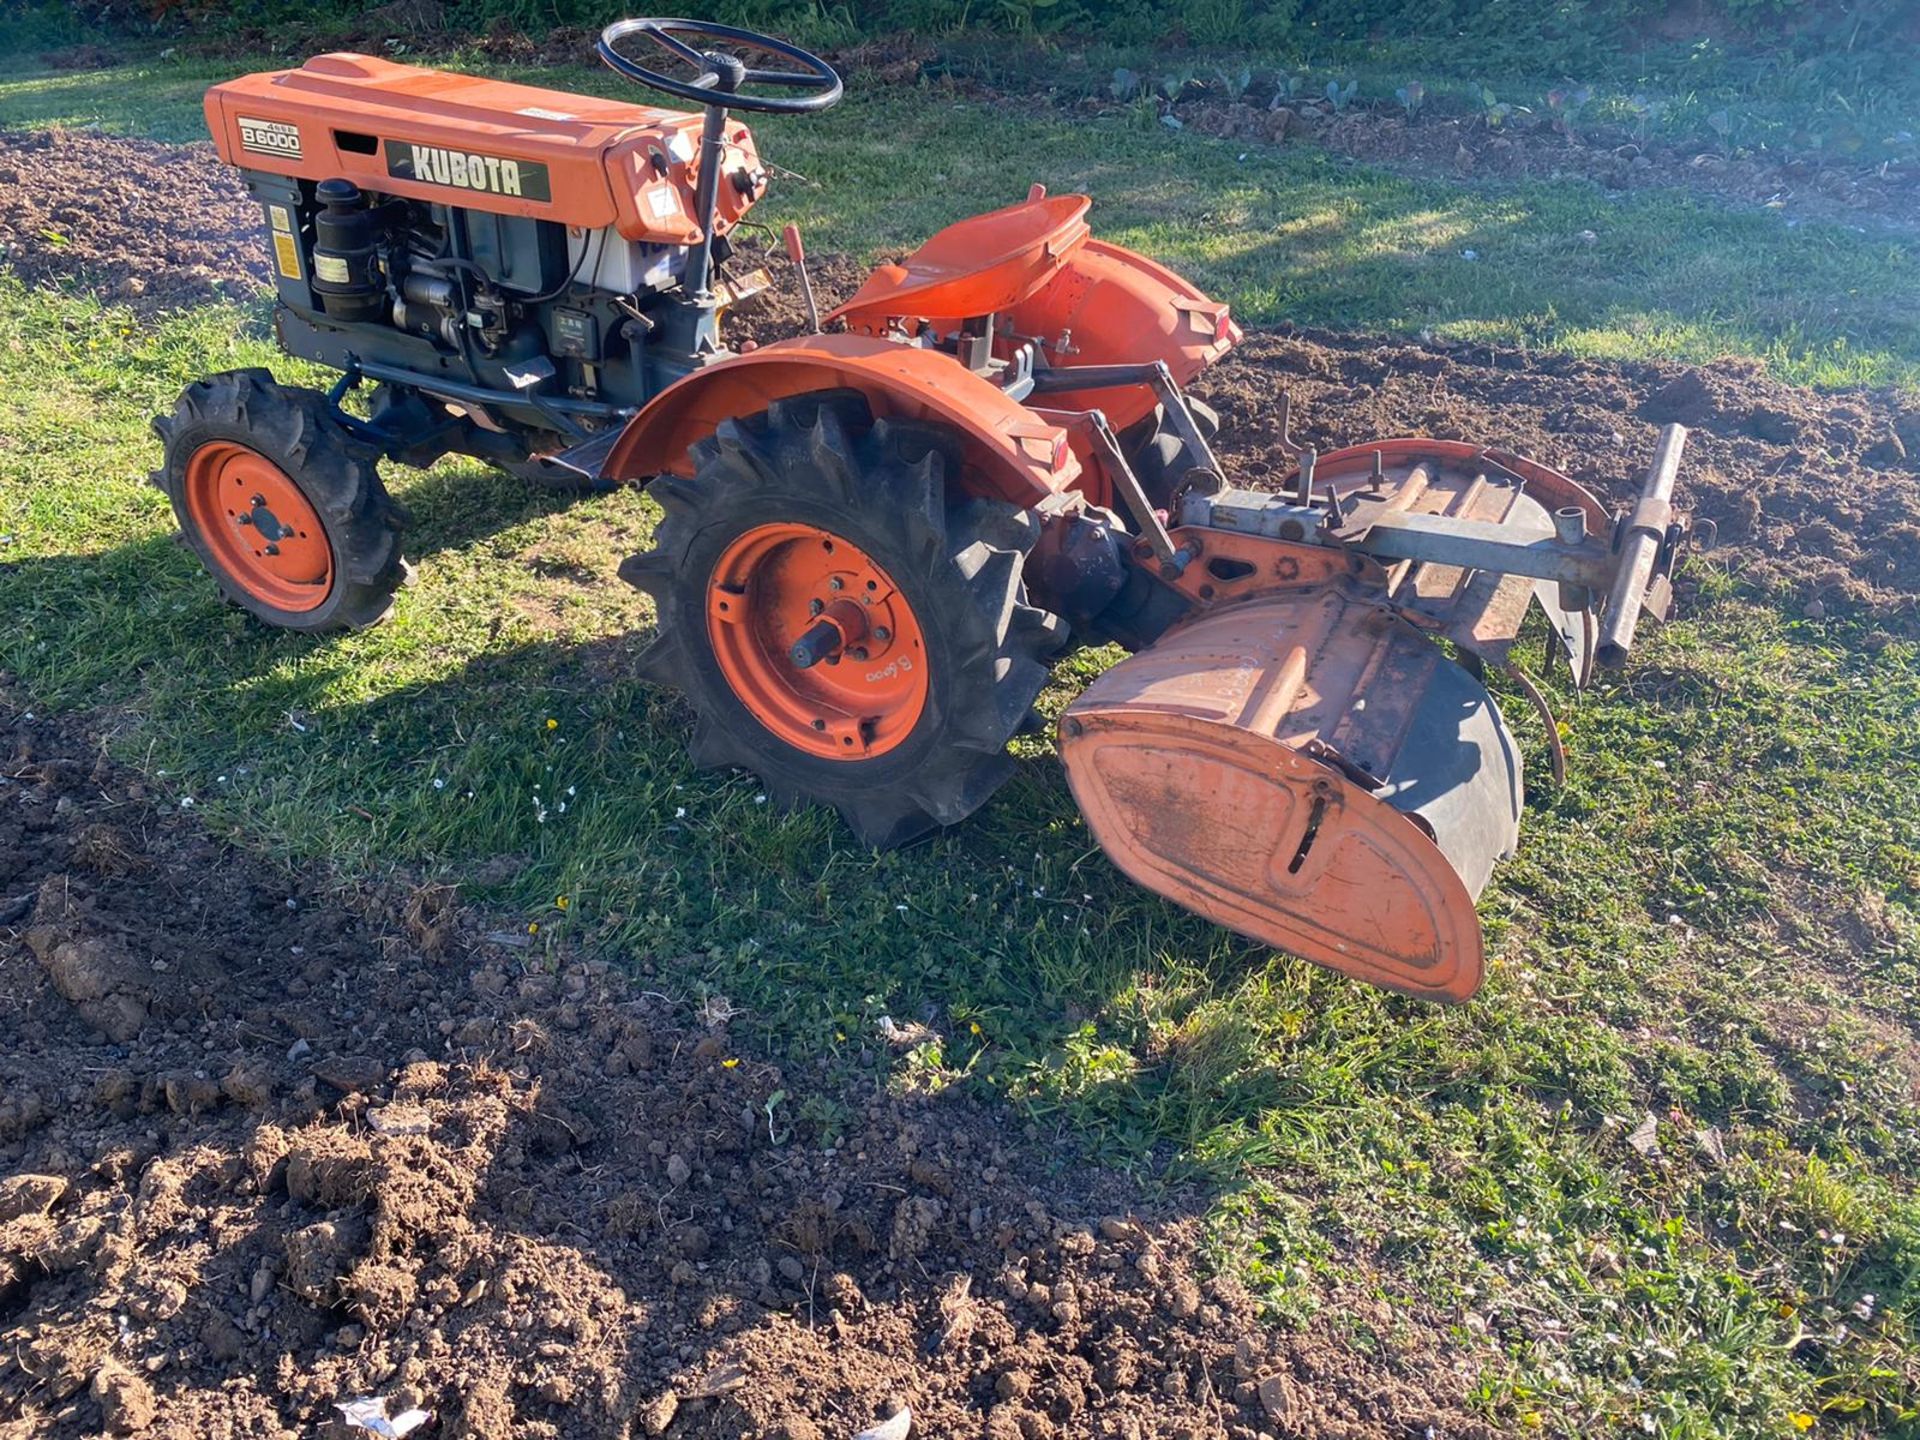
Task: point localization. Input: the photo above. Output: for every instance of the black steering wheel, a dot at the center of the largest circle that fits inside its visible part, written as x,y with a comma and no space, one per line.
720,73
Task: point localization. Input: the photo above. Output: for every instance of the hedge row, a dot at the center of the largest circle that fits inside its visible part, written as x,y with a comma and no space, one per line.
1536,36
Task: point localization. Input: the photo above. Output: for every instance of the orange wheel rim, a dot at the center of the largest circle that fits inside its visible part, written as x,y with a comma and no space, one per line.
265,536
817,641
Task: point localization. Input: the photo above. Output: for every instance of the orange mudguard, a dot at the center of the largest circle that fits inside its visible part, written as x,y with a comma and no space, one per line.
1080,301
979,266
1310,771
1010,453
1116,307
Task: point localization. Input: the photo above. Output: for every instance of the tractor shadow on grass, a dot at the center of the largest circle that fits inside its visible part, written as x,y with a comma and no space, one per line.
546,768
543,768
461,500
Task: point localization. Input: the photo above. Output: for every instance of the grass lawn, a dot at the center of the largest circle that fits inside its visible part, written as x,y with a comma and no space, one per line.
1715,923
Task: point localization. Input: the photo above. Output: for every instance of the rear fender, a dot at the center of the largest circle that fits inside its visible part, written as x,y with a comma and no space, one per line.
1115,306
1010,453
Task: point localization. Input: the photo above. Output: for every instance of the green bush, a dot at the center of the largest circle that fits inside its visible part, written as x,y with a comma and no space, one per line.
1204,22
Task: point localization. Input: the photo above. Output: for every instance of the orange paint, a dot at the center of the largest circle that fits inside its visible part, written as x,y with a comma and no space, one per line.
767,590
1009,452
1206,769
598,162
974,267
265,536
1107,305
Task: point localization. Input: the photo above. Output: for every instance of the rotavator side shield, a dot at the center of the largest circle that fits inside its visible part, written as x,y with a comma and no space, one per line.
1311,771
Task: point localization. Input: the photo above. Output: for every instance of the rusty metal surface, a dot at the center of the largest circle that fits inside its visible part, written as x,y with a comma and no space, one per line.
1480,610
1228,567
1309,770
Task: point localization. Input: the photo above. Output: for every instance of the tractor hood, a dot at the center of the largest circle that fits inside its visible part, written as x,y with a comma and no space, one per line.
483,144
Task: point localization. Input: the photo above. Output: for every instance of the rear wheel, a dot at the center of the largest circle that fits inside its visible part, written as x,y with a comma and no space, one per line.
843,626
282,506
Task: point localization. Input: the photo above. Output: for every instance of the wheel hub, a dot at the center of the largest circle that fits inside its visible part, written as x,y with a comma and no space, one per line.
262,532
265,521
817,641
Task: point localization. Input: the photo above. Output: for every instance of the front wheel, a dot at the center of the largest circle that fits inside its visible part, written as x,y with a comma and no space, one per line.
281,504
843,626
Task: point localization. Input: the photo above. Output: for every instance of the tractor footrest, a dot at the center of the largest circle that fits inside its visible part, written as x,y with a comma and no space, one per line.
589,457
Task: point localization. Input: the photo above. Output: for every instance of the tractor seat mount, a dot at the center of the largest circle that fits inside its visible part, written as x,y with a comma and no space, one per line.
974,268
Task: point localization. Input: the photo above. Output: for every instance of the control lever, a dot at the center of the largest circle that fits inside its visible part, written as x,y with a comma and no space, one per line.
797,253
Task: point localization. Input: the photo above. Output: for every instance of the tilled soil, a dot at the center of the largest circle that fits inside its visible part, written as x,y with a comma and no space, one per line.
265,1154
153,226
1805,185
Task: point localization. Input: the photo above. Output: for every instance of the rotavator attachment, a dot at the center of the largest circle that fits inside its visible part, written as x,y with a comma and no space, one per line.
1305,765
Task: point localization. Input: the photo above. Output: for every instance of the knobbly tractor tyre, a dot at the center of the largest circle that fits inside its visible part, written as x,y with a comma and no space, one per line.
1157,453
844,622
282,505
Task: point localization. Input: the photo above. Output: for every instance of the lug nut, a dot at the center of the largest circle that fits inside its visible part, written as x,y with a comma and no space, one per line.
836,583
881,632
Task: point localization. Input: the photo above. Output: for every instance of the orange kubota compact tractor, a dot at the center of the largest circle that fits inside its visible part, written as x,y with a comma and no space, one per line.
877,536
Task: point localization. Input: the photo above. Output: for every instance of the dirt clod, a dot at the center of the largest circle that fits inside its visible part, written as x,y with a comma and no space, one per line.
95,973
319,1255
29,1195
127,1404
659,1413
